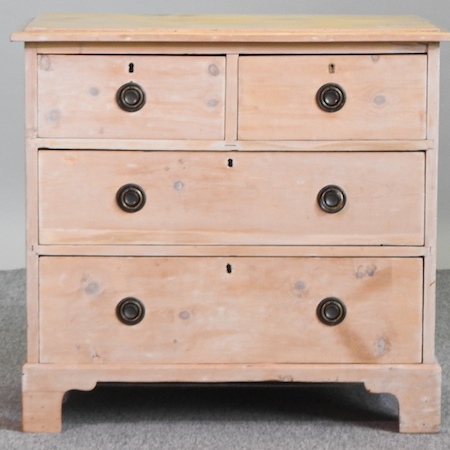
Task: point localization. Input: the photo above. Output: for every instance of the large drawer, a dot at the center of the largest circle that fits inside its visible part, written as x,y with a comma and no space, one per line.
183,96
229,310
384,97
267,198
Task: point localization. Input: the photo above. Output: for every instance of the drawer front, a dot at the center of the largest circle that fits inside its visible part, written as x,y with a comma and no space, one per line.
230,310
183,96
262,199
385,97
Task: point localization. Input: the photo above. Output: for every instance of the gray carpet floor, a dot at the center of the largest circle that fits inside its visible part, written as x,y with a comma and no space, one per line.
240,416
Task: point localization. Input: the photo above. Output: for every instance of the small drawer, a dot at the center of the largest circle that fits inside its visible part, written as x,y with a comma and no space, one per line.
332,97
230,310
267,198
129,96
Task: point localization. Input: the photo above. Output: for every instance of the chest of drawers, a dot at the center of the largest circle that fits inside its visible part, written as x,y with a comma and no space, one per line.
223,199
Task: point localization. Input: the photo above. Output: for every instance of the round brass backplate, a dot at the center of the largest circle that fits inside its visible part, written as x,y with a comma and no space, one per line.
130,311
331,198
331,311
130,97
331,97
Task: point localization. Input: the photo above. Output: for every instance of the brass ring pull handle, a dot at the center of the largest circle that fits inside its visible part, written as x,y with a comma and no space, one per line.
130,97
331,199
331,311
130,198
331,97
130,311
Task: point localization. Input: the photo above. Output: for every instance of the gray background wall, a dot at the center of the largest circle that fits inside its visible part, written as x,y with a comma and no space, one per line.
15,14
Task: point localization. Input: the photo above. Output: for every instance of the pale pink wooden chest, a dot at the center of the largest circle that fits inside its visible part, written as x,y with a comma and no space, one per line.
231,198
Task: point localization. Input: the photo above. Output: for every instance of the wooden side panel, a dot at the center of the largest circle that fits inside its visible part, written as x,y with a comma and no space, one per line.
431,206
230,310
32,204
185,96
385,97
262,199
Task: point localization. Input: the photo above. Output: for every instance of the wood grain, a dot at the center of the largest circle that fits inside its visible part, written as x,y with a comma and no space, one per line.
197,311
431,190
231,254
264,199
185,97
419,410
385,97
229,28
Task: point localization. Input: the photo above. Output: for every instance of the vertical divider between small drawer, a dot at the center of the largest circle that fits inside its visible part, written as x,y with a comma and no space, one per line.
231,98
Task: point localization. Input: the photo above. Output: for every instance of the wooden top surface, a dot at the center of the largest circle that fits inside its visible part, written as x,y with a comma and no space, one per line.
226,28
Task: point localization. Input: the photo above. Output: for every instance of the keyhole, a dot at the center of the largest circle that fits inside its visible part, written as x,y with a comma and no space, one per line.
131,68
229,268
331,68
230,163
